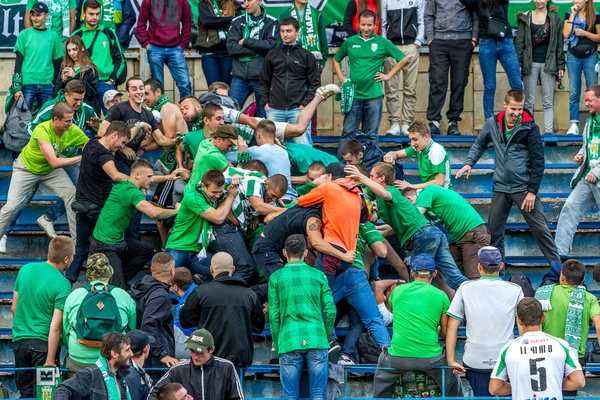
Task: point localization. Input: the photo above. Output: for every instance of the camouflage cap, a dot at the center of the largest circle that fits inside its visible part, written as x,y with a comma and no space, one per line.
98,267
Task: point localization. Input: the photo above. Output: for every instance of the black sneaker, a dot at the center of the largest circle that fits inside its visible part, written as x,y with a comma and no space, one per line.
433,129
334,346
453,129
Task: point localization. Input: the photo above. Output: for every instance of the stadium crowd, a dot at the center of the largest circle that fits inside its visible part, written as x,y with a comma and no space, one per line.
256,226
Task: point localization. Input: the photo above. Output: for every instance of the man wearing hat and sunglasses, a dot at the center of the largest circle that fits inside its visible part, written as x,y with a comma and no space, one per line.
490,303
204,376
138,381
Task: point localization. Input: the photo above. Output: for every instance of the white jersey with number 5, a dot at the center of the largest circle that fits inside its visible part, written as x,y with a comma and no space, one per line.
535,364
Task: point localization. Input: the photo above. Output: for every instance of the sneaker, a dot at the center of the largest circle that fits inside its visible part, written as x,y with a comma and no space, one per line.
47,226
334,346
327,91
395,129
453,129
405,128
345,360
434,129
3,244
573,130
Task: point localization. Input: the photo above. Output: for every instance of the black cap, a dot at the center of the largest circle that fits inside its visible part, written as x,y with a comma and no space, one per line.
39,8
336,169
139,339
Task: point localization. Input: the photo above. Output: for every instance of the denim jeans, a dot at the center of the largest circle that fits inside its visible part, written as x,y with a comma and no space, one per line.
366,112
42,93
103,87
490,51
175,60
240,90
582,198
291,369
575,66
353,286
85,222
349,347
57,210
229,239
479,379
432,241
217,68
189,259
291,116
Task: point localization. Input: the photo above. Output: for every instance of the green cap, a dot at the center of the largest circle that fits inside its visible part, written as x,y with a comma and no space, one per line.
199,341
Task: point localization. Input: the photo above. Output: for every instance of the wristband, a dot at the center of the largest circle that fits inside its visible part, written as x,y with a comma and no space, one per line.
569,22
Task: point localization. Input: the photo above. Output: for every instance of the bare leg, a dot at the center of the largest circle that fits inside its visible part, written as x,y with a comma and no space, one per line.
248,120
396,262
298,129
163,231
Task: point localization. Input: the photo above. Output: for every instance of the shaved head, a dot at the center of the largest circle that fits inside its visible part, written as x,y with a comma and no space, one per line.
221,262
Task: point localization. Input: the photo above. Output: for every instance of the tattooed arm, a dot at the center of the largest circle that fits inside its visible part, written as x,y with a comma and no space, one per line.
315,238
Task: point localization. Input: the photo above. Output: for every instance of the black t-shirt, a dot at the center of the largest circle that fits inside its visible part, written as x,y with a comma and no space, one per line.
290,222
540,49
94,185
124,112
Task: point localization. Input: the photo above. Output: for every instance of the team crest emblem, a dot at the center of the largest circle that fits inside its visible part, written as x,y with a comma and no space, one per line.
374,47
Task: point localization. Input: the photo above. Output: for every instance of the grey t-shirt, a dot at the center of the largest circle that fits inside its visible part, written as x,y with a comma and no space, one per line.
491,305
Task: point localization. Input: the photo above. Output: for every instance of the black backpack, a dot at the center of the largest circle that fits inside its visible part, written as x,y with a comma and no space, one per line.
525,284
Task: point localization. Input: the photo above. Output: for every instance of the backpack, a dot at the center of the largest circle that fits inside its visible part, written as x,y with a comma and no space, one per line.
368,350
98,314
525,284
14,131
223,101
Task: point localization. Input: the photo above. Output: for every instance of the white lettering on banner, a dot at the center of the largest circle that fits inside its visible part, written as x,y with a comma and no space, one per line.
10,25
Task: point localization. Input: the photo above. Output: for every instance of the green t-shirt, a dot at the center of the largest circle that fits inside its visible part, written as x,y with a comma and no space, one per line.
302,155
432,161
55,15
556,319
399,213
593,142
85,354
42,289
117,212
188,223
453,211
366,57
207,157
32,155
368,235
417,308
191,141
304,189
39,49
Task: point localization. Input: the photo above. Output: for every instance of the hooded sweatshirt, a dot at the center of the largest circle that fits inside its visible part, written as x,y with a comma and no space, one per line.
153,306
165,23
341,211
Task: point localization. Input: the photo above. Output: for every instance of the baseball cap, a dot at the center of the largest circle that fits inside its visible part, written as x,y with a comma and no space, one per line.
98,267
139,339
490,257
199,341
39,8
227,132
336,169
110,95
423,264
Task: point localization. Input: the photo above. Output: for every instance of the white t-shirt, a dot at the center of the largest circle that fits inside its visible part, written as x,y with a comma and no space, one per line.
536,364
489,305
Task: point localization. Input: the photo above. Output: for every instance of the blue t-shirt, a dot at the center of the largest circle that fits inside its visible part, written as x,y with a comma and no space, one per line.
180,303
277,161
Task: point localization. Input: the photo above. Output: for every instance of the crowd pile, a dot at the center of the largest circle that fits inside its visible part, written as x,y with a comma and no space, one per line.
256,225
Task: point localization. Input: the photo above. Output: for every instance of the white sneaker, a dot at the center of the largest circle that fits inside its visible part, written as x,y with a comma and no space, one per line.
3,244
47,226
573,130
405,128
345,360
394,129
327,91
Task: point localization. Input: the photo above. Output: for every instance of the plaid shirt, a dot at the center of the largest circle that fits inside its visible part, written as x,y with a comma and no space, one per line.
298,294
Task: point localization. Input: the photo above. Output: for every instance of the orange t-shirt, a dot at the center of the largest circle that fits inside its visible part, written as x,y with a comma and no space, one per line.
341,211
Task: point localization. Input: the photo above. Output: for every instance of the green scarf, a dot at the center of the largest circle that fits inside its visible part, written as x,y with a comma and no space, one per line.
206,228
110,381
197,124
308,23
252,31
574,312
162,100
508,132
16,86
217,11
346,96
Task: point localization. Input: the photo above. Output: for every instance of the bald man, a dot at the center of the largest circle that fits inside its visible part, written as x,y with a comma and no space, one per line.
228,309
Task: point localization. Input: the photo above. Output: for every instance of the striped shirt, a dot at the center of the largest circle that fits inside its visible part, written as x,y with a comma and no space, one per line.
253,184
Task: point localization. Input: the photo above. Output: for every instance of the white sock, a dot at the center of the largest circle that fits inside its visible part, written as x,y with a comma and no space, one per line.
436,123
